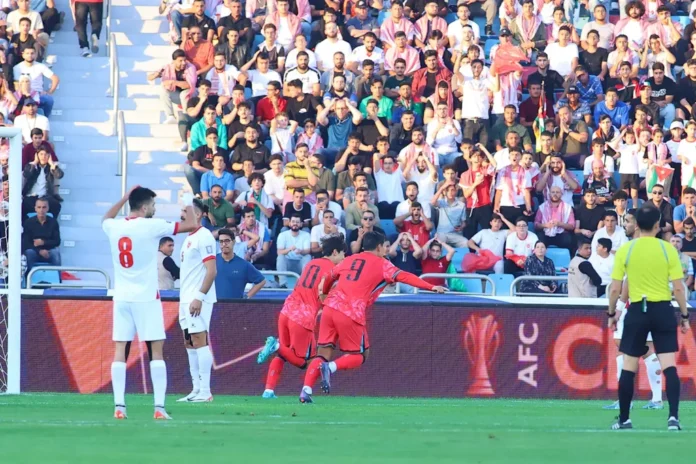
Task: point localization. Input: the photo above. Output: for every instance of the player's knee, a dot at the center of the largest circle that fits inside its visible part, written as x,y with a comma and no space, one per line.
120,351
199,340
155,350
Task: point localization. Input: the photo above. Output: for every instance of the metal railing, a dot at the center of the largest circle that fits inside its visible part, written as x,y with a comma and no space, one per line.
70,283
294,275
107,26
483,278
122,154
114,80
515,283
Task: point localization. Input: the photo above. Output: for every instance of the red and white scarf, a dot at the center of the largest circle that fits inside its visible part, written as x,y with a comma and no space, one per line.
559,213
435,99
412,152
517,189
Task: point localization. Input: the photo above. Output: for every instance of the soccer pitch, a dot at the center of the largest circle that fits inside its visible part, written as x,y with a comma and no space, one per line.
64,428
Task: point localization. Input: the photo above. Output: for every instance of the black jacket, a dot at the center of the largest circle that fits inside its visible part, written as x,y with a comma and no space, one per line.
49,232
31,174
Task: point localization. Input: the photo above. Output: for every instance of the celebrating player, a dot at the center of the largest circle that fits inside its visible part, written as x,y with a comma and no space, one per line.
196,298
360,280
295,343
134,241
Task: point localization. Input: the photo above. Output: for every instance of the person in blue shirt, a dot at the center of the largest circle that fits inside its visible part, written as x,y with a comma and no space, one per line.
233,273
617,110
339,125
217,176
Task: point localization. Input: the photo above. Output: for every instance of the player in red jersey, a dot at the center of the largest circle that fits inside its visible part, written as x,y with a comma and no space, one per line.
295,343
359,281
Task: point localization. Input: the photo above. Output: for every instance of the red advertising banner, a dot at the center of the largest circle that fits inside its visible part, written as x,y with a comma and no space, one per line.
421,349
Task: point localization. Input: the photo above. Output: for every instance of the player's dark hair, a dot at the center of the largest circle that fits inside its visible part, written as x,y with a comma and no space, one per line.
165,240
647,216
139,196
333,242
371,240
199,206
605,242
227,232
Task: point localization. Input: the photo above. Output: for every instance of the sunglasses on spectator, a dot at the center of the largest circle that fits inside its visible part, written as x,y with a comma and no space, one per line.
657,192
368,219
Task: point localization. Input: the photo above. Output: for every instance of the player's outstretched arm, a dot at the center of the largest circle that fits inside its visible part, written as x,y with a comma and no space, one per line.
114,210
415,281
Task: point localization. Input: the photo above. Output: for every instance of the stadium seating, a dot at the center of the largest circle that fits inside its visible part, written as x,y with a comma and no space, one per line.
502,283
560,258
45,276
388,227
459,254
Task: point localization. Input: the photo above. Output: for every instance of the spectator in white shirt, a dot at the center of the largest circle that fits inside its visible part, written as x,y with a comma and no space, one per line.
602,261
493,240
612,231
293,250
300,46
326,49
368,51
275,180
518,247
36,72
30,120
563,55
388,178
444,134
404,208
328,226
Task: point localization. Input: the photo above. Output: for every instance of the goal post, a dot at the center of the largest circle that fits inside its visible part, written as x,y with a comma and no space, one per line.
10,341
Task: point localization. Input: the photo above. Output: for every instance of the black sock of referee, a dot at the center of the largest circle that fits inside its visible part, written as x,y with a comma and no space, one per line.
673,390
625,393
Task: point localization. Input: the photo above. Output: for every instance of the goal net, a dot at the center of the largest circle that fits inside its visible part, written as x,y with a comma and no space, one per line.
12,264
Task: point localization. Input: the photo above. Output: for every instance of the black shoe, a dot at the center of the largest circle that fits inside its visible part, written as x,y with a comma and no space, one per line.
489,30
618,425
673,424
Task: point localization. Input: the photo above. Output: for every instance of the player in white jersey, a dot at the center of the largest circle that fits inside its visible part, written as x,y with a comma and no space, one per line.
196,298
137,307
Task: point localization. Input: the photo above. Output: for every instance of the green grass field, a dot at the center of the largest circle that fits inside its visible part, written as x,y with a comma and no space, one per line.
48,428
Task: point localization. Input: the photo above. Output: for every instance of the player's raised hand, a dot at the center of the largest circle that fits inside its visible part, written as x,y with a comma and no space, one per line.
195,308
439,289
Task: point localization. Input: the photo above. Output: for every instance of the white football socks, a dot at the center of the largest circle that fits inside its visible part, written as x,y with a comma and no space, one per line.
193,368
654,376
118,382
158,374
619,366
205,365
332,367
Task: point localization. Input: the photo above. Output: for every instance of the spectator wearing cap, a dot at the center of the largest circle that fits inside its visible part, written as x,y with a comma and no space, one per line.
528,30
22,93
178,84
663,92
402,50
579,110
360,25
617,110
201,159
30,119
589,87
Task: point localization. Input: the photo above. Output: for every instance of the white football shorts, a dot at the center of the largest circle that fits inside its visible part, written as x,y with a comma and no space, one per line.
620,323
198,324
144,318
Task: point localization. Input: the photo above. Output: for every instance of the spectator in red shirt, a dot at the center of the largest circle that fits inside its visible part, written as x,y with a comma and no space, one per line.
270,105
476,184
37,141
529,109
419,226
199,52
435,263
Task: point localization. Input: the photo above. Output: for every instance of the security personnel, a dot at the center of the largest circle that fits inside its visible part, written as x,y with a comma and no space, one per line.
649,264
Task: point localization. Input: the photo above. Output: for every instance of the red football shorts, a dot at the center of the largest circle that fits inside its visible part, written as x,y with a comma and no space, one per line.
300,340
336,326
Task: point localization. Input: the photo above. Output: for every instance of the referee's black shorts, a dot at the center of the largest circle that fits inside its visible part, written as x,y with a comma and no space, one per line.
659,320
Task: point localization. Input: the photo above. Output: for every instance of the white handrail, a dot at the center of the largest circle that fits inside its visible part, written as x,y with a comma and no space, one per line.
114,80
481,277
107,26
514,284
122,154
107,280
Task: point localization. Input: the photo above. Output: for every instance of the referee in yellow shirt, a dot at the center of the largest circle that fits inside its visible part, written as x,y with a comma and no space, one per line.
649,264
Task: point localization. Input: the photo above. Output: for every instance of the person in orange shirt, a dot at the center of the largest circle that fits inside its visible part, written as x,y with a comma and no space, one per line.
199,51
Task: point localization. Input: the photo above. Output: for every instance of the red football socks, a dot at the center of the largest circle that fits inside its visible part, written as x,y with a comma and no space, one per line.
313,372
274,371
349,361
287,354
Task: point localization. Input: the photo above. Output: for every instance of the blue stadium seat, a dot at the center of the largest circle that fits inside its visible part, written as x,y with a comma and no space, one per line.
502,283
389,228
382,16
450,18
560,257
459,254
684,20
31,215
490,43
45,277
578,175
476,286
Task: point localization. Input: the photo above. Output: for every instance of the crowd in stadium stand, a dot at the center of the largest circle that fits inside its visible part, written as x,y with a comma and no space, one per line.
27,84
505,148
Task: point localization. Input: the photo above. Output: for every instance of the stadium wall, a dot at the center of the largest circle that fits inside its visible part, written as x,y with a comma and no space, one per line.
429,346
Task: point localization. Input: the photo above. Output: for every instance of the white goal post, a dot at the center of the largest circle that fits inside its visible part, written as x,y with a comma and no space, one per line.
13,311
